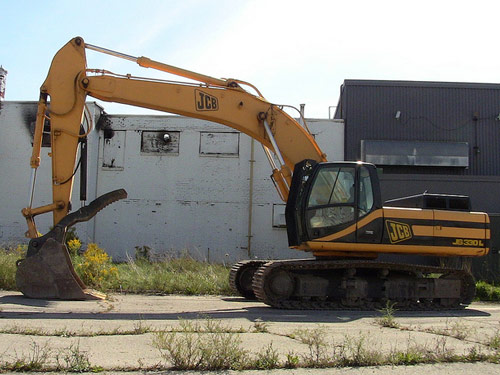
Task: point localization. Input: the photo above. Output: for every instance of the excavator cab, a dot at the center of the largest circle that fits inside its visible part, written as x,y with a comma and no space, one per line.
327,198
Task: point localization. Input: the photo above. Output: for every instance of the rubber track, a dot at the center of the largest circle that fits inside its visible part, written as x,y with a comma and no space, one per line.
259,287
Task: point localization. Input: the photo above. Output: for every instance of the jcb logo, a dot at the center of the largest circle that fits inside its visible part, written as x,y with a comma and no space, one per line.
205,102
398,231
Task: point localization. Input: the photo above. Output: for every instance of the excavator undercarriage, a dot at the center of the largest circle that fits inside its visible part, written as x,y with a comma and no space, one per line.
352,284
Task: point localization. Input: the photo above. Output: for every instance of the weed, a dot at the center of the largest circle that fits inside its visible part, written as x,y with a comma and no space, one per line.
70,235
292,360
180,350
169,276
412,355
212,326
360,354
222,351
75,360
143,253
196,347
267,358
74,246
95,266
210,345
260,326
17,330
475,355
36,360
21,250
459,330
494,341
172,276
456,329
140,328
316,342
209,325
387,319
440,351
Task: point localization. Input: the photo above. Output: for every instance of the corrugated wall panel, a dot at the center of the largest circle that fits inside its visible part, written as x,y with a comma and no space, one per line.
428,112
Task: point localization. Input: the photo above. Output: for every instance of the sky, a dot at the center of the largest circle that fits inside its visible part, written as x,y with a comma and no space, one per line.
293,51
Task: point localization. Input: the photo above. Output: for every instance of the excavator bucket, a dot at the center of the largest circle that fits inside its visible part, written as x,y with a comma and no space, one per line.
50,274
47,271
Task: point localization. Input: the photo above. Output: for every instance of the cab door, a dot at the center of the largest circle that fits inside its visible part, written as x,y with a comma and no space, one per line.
331,205
328,198
369,223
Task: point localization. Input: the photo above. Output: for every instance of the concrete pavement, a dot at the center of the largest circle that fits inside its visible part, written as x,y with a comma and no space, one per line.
117,334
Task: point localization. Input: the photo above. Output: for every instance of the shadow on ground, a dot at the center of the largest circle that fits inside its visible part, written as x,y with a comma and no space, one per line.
251,313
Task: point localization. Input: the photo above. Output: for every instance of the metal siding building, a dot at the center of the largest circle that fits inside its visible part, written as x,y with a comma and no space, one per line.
424,111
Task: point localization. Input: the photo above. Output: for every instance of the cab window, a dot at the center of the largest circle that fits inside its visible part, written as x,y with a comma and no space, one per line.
331,201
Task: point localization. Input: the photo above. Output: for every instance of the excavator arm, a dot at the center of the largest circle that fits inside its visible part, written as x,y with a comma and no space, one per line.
224,101
47,272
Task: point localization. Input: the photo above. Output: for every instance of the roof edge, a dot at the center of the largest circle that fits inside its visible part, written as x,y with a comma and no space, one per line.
430,84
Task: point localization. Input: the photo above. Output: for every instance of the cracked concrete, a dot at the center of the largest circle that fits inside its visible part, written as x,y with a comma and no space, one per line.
117,334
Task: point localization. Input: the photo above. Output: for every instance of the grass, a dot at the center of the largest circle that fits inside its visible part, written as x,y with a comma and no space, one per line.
171,276
139,329
8,259
183,275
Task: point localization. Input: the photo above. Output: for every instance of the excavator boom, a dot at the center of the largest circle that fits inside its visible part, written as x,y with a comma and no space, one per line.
68,84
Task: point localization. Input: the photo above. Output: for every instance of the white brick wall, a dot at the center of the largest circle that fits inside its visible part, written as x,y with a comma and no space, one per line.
195,199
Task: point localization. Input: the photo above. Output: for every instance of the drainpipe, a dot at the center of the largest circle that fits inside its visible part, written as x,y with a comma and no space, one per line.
99,150
250,199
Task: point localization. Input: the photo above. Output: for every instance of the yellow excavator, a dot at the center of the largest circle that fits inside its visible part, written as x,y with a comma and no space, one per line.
333,209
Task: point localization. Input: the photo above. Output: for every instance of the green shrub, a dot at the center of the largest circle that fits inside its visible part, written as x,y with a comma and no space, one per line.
95,267
487,292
